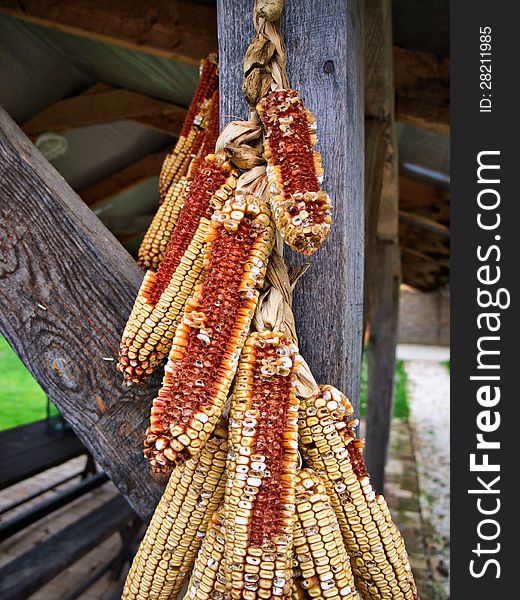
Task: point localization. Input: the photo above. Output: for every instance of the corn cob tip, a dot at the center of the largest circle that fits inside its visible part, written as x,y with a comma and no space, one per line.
302,210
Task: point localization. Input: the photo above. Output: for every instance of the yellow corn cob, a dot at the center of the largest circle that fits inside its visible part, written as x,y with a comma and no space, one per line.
329,445
174,536
259,503
323,567
208,580
191,136
208,341
150,329
155,242
302,210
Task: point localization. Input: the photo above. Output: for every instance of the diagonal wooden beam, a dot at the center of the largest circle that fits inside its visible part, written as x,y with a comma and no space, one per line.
103,104
66,289
178,30
132,175
422,89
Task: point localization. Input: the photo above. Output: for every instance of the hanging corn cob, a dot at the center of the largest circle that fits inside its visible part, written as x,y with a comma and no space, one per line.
208,341
148,335
329,445
168,550
302,210
191,136
155,241
259,503
280,533
208,580
323,567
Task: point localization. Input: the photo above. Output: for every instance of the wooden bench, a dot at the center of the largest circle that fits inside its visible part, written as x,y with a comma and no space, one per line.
30,449
33,569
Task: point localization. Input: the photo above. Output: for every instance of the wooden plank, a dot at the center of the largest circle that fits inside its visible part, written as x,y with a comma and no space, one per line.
379,77
422,84
30,449
107,106
424,223
122,180
178,30
324,51
33,569
375,156
388,224
66,289
384,310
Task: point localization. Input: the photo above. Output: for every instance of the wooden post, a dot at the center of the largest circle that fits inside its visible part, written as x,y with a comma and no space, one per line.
66,289
325,62
383,256
384,311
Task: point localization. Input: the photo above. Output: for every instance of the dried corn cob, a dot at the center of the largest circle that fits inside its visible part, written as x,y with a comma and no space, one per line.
208,581
148,335
190,139
259,503
302,210
208,341
155,242
323,569
174,536
329,445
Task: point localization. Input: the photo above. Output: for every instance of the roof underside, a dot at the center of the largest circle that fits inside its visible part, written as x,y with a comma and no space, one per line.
42,66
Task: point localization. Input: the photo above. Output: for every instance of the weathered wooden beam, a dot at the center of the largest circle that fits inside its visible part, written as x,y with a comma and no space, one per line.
122,180
422,84
382,271
379,70
178,30
384,311
324,51
66,289
100,105
375,157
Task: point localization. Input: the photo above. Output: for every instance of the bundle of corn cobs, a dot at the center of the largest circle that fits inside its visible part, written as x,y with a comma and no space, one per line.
267,496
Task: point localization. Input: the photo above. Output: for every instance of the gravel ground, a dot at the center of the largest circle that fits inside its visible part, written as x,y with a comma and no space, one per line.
429,399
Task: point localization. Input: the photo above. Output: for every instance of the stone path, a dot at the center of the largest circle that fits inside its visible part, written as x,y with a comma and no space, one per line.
429,399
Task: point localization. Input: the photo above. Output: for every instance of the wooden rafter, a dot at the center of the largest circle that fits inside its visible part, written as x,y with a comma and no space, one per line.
104,104
424,223
422,85
133,174
178,30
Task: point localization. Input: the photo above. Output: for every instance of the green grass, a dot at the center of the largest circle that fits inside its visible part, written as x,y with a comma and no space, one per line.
447,364
401,407
21,399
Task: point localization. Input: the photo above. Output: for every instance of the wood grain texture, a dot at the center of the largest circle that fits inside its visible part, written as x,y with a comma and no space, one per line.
27,573
325,62
379,70
384,311
375,156
176,29
106,106
66,289
29,449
